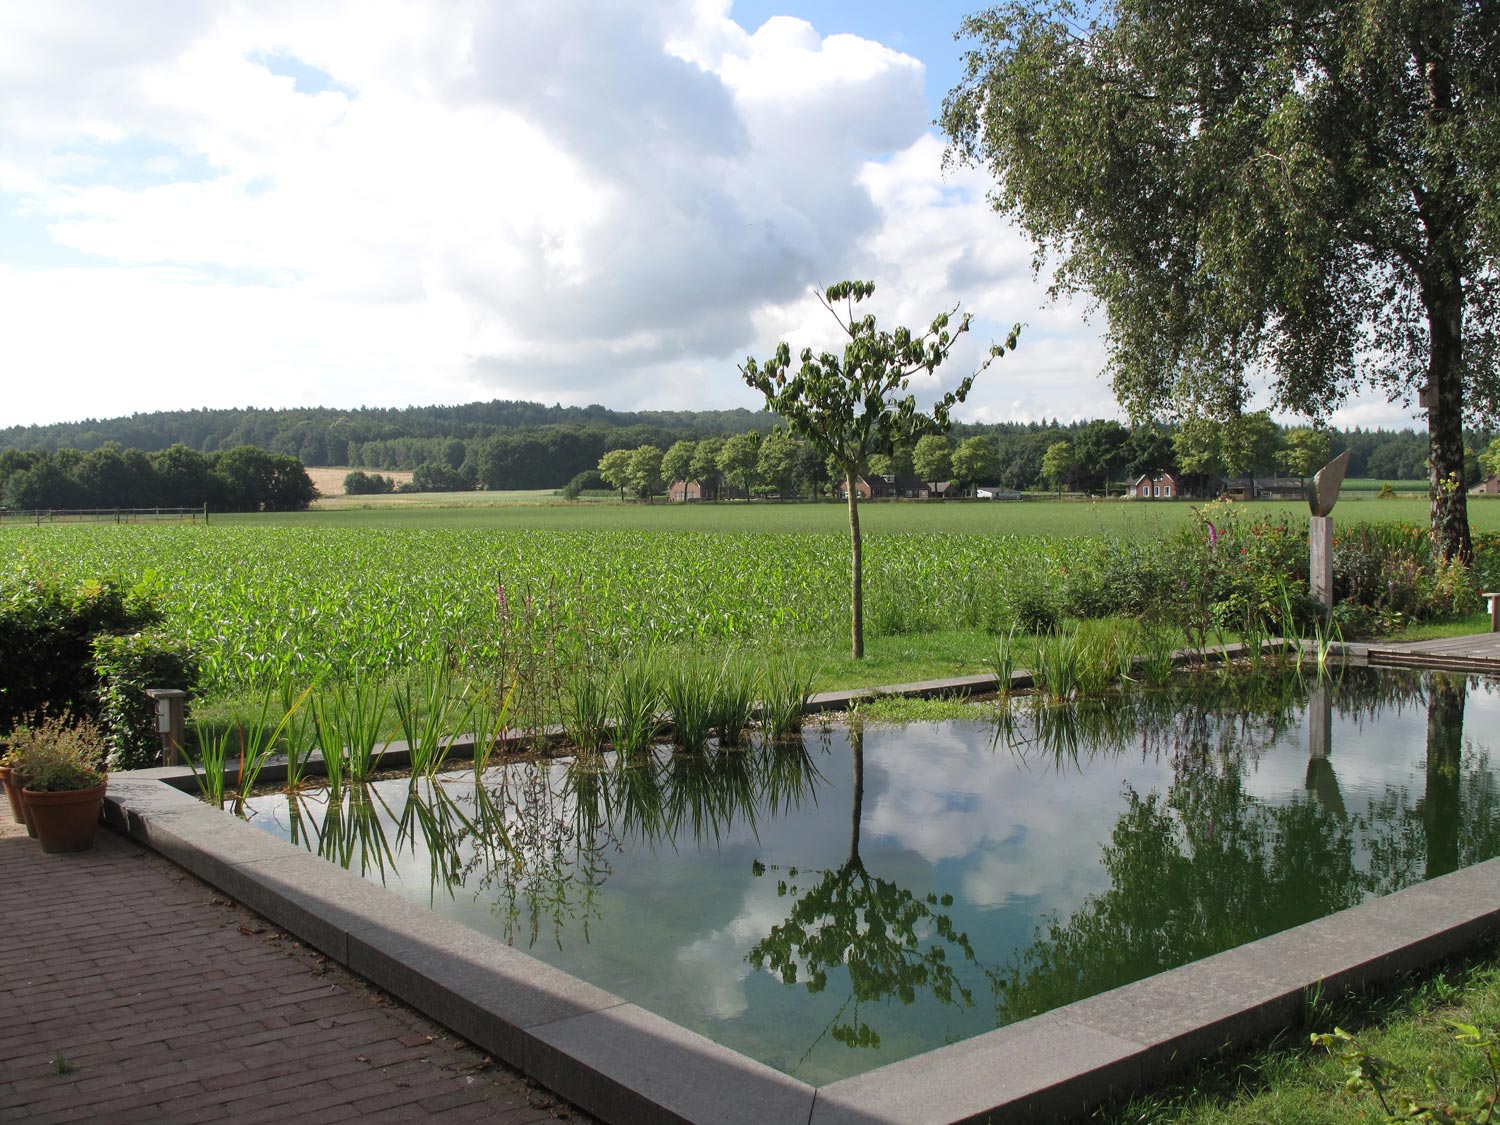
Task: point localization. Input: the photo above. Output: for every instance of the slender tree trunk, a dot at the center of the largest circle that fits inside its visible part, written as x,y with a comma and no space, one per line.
1445,222
857,750
1440,803
1445,419
856,580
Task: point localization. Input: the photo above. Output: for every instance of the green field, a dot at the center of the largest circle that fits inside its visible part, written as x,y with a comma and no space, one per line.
378,591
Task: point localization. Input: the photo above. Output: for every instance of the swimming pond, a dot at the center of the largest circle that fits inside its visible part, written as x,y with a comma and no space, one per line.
832,905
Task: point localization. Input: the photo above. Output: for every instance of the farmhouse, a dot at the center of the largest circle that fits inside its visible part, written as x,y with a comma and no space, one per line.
878,486
1490,486
690,490
1153,486
1264,488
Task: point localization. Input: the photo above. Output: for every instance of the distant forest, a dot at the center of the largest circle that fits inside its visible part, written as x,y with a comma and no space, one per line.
526,445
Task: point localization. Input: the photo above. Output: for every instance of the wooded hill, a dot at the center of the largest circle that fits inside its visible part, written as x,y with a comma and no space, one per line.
522,445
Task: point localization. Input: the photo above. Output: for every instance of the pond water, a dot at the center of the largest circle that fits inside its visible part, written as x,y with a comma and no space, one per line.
834,904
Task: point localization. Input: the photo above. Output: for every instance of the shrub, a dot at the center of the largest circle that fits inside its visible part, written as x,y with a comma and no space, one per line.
127,666
1034,608
47,631
1485,571
1390,571
361,483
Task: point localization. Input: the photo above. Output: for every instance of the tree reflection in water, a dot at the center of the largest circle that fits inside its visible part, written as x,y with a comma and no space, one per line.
891,942
561,823
1206,866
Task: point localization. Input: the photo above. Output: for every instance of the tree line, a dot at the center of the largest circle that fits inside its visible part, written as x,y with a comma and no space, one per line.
520,445
1092,457
241,479
369,437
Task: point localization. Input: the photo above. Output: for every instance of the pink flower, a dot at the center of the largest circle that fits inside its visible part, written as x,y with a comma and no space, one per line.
1213,535
500,595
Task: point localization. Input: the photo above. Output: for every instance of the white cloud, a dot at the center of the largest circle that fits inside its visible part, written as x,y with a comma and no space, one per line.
558,201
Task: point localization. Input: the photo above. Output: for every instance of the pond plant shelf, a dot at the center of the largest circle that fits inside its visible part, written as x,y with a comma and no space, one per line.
620,1062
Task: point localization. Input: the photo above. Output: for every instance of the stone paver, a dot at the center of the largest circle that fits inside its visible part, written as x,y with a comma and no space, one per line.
131,992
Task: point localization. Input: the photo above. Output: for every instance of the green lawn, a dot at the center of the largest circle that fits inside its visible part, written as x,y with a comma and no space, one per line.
1130,519
1291,1082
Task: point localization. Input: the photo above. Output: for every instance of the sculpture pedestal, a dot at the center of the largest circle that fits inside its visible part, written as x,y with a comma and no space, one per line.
1320,560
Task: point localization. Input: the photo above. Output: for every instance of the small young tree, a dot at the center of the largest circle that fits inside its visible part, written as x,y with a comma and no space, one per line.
853,405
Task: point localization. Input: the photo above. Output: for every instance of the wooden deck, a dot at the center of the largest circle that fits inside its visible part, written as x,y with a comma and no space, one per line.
1479,652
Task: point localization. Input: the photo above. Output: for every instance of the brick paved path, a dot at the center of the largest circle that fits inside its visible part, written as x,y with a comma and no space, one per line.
131,992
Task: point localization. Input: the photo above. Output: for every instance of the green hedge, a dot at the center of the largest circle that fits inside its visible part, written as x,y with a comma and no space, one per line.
47,630
126,666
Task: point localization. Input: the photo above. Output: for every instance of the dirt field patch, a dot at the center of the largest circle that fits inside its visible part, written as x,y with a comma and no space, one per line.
330,481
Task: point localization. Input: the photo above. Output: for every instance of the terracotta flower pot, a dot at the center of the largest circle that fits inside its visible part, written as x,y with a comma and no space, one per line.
12,793
16,790
65,819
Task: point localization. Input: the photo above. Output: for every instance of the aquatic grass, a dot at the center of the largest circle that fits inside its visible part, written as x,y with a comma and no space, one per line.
430,713
585,717
1156,659
488,719
1097,667
299,733
1057,667
348,718
635,702
256,746
733,700
688,693
1004,659
786,687
247,741
214,745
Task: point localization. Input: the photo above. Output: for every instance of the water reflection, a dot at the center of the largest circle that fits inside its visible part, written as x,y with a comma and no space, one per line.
890,942
1205,865
891,890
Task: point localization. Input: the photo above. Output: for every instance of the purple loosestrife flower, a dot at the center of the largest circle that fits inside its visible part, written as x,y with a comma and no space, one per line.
1213,535
500,597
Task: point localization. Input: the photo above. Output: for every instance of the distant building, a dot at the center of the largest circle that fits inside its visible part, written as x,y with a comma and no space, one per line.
1264,488
877,486
1153,486
690,490
1488,487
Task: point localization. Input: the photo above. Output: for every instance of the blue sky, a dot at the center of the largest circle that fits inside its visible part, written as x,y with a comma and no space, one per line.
274,203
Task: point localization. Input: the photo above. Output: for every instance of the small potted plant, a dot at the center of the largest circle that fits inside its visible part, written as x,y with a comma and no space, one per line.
63,780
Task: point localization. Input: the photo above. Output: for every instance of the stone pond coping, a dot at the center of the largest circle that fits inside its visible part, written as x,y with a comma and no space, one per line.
624,1064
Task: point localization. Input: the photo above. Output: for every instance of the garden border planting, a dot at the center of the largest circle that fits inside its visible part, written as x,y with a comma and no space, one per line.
622,1063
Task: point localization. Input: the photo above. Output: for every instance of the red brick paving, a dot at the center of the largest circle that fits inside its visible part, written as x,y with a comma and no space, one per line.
132,992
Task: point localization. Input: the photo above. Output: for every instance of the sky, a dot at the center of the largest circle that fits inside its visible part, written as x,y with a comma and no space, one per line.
387,203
